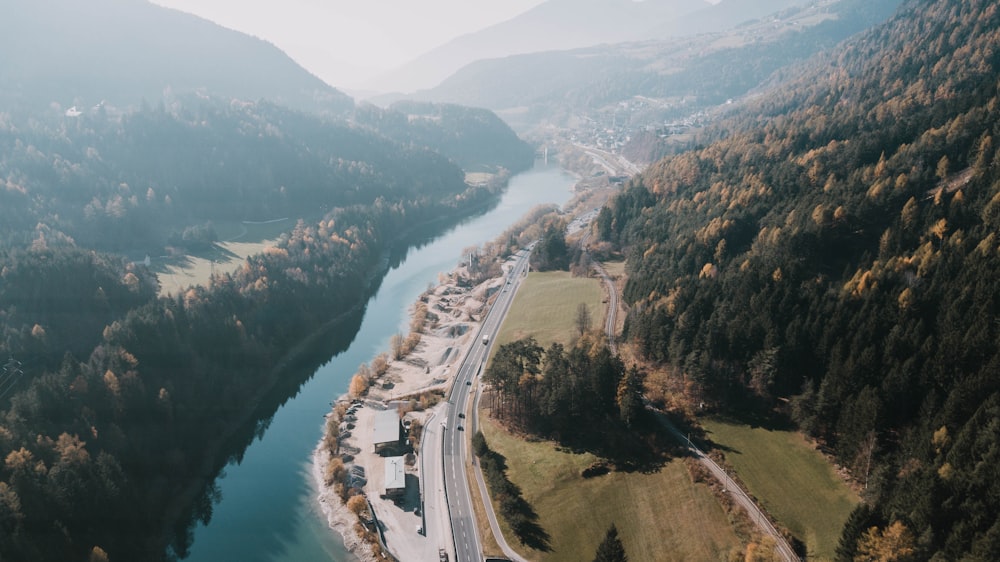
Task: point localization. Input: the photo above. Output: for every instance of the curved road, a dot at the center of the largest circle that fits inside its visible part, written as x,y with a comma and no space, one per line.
739,496
781,546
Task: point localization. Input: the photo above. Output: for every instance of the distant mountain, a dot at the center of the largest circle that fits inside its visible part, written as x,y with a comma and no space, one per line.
123,51
552,25
720,17
683,75
128,183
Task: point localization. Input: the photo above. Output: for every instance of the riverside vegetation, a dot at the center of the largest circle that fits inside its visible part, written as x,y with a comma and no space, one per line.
120,407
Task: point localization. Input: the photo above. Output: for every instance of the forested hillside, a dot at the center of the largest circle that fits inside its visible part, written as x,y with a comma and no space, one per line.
836,245
115,426
135,181
475,139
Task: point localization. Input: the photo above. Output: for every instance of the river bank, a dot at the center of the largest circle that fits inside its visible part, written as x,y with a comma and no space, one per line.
268,510
415,386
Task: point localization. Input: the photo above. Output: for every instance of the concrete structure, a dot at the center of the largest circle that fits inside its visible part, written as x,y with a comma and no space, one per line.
387,432
395,477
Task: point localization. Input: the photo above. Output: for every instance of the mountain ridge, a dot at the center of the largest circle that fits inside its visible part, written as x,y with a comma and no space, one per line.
552,25
127,51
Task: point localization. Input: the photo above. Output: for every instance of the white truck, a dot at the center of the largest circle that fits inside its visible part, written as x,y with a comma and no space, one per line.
486,339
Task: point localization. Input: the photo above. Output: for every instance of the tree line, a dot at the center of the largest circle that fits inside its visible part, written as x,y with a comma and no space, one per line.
139,180
582,396
101,445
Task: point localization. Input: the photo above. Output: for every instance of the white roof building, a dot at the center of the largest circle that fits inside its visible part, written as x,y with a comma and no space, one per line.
395,477
387,429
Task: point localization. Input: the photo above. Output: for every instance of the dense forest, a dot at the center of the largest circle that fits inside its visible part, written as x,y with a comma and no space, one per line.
118,408
830,254
132,180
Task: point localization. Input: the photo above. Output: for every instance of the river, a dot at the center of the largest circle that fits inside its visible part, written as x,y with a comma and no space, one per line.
268,510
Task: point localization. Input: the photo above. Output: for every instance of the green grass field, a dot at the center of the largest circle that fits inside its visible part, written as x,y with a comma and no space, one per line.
238,240
791,480
546,306
615,269
660,516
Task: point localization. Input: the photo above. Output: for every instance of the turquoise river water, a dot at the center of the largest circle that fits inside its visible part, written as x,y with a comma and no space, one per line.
267,509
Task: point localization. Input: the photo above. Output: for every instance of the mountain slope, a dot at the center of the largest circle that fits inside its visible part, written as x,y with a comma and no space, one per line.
719,17
475,139
836,245
684,75
552,25
124,51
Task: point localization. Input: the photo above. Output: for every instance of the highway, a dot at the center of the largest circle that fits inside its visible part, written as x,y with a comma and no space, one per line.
466,541
467,545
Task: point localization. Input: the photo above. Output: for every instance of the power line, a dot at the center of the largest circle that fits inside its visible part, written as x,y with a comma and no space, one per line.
12,373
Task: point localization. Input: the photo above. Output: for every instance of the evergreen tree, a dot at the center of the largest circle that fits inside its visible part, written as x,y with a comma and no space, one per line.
859,521
611,548
630,396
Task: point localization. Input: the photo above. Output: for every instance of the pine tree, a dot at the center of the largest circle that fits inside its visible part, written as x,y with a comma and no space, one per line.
630,396
611,548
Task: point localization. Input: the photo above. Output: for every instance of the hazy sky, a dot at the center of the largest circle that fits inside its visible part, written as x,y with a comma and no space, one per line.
345,42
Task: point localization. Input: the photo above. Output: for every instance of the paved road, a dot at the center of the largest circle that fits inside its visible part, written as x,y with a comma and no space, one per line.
739,496
466,542
437,526
781,545
613,164
611,322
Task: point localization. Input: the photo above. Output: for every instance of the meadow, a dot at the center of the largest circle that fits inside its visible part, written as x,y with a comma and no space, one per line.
790,479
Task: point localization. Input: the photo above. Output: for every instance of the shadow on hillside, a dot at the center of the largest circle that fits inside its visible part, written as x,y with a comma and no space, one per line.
515,510
644,448
757,416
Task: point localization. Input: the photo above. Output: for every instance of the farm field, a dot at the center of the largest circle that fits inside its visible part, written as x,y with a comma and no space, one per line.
546,307
661,515
792,480
238,240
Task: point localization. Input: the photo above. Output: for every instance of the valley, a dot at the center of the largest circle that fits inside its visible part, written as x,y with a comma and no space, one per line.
218,272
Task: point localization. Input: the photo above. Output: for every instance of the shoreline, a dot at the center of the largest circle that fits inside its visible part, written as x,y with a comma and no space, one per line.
455,306
185,497
445,340
338,518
